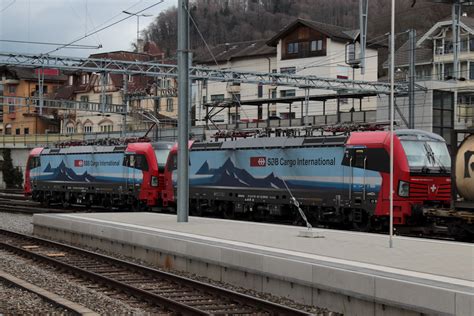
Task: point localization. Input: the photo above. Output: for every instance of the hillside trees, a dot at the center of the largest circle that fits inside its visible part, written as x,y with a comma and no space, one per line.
222,21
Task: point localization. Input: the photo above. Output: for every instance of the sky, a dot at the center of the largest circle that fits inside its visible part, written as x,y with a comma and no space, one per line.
63,21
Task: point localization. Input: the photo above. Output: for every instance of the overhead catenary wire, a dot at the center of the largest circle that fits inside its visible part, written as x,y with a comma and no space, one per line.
103,28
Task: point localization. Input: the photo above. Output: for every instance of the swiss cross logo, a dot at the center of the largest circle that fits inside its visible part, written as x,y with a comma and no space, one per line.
433,188
78,163
258,161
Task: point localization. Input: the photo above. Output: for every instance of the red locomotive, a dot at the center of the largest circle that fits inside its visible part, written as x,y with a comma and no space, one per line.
126,176
341,180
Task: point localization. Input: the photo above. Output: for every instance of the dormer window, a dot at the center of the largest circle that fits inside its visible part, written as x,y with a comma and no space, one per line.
316,45
293,48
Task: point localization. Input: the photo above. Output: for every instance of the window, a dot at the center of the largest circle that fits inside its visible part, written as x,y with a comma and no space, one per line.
136,162
464,43
108,99
260,90
448,71
130,78
274,94
8,129
70,80
106,128
11,106
471,70
234,118
26,130
70,128
316,45
17,131
443,114
169,105
217,97
88,128
287,93
448,47
45,89
288,70
293,48
11,89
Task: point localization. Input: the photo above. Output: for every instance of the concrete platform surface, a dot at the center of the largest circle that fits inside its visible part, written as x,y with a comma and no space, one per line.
416,275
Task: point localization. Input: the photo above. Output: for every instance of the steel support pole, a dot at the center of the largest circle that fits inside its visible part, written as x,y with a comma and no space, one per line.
125,103
392,106
456,39
412,78
306,99
102,92
183,99
363,14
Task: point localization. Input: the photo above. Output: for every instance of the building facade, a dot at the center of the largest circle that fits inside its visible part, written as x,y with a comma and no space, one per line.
444,100
303,48
22,114
145,98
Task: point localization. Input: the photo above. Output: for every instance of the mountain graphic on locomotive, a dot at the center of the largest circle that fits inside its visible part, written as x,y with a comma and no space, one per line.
337,180
126,176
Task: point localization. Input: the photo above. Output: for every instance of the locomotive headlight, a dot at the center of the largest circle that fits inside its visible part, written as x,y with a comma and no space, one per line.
403,189
154,181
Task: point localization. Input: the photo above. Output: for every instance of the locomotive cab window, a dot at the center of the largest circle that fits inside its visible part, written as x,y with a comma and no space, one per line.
136,162
172,162
355,157
34,162
359,158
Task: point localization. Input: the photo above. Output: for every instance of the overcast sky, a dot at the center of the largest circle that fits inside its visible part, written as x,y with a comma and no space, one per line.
63,21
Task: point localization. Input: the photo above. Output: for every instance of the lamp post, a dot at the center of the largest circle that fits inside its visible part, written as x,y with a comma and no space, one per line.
138,22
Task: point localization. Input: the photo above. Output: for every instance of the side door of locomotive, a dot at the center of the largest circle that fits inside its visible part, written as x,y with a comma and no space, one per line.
130,171
355,174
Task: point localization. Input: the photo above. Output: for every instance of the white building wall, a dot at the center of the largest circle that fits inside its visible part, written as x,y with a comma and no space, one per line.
423,106
329,66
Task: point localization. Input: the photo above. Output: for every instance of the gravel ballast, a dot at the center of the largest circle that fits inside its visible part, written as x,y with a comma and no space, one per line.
17,301
23,224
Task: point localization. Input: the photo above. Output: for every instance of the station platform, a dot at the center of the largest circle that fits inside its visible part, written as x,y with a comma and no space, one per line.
347,272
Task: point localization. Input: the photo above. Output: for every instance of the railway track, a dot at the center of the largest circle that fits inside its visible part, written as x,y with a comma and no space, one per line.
161,292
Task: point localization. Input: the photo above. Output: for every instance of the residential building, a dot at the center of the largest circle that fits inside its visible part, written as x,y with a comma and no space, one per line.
444,100
303,47
146,97
22,114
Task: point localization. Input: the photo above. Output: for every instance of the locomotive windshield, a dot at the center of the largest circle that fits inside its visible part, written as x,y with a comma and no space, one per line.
427,156
162,150
162,157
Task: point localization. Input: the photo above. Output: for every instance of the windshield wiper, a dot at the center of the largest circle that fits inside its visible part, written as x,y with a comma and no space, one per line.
425,169
430,152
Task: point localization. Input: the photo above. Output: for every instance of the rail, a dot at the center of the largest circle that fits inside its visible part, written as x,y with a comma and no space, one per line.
167,291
